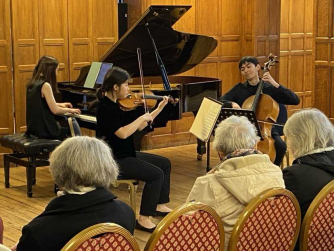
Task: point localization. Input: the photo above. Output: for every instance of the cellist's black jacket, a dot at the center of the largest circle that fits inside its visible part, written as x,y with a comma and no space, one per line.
240,92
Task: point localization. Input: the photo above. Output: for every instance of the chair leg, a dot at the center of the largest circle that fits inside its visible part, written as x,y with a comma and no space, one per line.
30,175
6,167
34,175
132,195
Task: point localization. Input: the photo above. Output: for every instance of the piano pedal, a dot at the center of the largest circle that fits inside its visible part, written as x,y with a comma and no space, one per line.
199,156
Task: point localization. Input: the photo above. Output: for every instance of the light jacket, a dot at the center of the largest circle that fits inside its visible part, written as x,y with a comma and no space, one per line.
234,184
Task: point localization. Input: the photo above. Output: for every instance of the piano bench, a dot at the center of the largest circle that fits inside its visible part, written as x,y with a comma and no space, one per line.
28,152
132,187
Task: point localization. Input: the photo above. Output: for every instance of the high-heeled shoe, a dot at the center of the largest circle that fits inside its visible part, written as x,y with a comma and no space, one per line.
142,228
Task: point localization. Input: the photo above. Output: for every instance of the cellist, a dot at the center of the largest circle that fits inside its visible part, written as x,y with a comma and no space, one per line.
249,67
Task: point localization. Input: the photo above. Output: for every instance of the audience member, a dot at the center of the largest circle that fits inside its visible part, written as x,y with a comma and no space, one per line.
310,137
243,173
84,168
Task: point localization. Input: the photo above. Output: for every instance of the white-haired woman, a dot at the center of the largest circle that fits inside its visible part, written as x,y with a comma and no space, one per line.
310,137
243,173
84,168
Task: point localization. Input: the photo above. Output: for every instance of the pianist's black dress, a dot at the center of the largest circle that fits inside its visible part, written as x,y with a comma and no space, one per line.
152,169
40,120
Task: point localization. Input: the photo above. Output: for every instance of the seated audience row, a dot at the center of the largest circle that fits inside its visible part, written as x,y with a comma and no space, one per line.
85,168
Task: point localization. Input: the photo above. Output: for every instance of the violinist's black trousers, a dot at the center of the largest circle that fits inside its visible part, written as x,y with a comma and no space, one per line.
154,170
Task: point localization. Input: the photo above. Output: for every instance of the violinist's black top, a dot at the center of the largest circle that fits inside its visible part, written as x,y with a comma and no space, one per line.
109,119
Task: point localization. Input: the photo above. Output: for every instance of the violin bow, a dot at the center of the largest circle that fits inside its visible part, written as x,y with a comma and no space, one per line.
142,82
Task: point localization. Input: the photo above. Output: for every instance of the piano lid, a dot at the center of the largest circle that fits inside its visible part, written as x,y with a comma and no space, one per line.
179,51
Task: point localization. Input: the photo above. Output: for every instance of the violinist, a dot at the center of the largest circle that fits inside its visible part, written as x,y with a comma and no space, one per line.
235,97
117,127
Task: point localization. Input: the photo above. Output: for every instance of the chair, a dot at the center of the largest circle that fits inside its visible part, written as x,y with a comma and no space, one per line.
132,187
101,237
317,232
74,127
192,226
28,151
271,221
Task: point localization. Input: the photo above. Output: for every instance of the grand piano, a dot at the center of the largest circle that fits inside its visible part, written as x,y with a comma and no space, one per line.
165,53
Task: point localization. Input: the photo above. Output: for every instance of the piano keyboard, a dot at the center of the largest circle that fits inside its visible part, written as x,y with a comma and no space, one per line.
82,117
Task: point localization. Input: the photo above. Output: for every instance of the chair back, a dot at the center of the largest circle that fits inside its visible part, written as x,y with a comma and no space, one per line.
192,226
271,221
1,231
74,127
317,232
102,237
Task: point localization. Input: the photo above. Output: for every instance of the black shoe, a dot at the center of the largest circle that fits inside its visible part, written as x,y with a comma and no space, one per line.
158,213
142,228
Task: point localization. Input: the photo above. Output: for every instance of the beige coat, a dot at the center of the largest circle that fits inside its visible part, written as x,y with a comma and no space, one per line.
234,184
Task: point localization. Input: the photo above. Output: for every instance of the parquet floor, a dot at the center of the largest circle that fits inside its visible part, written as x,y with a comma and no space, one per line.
17,209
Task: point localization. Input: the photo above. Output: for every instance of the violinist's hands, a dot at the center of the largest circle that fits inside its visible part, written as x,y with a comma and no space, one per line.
235,106
147,117
163,103
268,78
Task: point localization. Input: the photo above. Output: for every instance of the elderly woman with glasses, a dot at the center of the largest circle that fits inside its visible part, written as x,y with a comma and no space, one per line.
242,174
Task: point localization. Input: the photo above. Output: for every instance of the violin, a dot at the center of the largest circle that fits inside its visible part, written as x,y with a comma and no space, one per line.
266,110
135,99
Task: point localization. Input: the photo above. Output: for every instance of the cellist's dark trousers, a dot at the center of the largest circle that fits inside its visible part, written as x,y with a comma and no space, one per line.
280,147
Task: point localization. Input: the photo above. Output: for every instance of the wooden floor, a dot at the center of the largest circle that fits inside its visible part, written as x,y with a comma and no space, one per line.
17,210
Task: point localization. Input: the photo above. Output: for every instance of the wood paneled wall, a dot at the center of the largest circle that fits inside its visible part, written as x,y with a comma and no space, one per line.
324,57
241,27
76,32
296,52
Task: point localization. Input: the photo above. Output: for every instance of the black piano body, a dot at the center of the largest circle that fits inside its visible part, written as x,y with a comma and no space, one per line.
179,52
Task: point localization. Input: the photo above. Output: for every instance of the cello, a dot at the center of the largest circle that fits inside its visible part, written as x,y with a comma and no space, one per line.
266,110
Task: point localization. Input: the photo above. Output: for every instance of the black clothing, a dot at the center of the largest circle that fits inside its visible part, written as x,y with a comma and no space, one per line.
240,92
67,215
155,171
307,176
152,169
109,119
40,120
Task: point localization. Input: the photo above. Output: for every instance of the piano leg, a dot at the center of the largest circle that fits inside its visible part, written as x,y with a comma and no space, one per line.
201,149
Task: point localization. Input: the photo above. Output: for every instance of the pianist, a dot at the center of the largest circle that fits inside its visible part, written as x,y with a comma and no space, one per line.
117,127
41,105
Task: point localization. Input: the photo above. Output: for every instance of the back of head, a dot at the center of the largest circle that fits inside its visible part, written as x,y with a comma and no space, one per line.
248,59
114,76
46,70
235,133
83,161
308,130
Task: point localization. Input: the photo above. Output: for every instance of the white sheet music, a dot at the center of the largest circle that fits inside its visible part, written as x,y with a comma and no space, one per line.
205,119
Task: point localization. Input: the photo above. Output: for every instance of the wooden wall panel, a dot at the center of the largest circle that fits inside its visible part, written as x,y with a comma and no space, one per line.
80,31
26,52
53,33
6,96
296,52
323,59
105,31
6,78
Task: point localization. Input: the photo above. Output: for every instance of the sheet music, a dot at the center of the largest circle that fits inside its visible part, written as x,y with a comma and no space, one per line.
206,119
